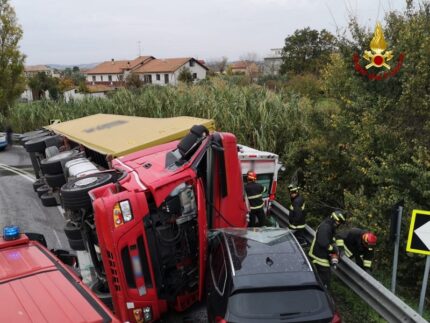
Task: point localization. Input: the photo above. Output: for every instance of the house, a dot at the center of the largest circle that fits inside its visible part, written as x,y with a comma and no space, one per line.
166,71
245,67
272,63
97,91
113,72
34,69
150,70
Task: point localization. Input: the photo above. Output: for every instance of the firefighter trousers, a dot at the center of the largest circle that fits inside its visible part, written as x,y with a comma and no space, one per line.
253,215
325,275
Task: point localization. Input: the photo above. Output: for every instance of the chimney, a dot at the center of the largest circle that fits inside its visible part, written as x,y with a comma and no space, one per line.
113,61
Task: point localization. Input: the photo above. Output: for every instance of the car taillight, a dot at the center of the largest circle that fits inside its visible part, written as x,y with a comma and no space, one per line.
219,319
336,318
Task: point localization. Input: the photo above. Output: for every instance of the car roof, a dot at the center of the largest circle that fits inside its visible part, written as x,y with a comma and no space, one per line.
36,287
266,257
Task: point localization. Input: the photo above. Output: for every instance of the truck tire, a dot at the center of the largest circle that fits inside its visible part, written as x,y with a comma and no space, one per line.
55,181
101,289
75,192
78,245
36,145
38,184
31,133
73,231
51,151
52,165
48,200
42,190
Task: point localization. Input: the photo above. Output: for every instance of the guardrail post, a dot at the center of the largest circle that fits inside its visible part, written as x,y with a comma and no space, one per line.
424,286
396,249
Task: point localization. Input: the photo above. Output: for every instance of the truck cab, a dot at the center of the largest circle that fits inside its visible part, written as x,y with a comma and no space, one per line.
152,223
35,286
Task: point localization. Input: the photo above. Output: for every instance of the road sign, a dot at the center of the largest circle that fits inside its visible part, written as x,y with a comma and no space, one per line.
419,233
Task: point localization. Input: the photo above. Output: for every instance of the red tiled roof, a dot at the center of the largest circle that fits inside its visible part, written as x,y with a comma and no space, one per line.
36,68
162,65
117,67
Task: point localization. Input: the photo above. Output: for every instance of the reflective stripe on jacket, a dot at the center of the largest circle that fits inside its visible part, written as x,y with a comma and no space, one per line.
297,215
353,246
254,192
323,243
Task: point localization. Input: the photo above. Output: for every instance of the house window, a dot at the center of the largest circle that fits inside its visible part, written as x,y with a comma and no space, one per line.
194,76
101,78
120,77
192,63
147,78
166,78
94,78
158,77
110,78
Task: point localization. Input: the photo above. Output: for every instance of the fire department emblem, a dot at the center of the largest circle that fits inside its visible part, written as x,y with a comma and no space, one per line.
378,57
378,46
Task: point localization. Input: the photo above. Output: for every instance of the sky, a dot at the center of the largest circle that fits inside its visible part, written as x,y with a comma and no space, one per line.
89,31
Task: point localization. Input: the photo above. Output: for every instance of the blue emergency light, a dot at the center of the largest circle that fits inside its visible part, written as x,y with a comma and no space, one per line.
11,232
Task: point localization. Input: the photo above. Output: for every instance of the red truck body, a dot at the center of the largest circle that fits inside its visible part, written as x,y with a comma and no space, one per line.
37,287
152,223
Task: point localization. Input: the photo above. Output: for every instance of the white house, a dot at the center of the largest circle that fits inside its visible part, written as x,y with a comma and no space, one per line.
166,71
273,62
113,72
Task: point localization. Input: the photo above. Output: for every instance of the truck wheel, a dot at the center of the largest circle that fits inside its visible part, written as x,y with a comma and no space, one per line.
78,245
48,200
52,165
101,289
38,184
42,190
73,231
75,192
56,180
51,151
36,145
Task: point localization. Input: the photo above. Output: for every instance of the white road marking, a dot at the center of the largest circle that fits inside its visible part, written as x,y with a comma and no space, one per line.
58,239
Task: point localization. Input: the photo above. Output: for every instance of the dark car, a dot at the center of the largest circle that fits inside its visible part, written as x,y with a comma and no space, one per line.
263,275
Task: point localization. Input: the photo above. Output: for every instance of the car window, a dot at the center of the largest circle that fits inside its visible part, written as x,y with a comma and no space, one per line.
218,266
311,303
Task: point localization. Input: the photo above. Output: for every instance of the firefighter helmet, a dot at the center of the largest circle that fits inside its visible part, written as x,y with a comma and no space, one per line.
369,239
338,216
293,188
251,176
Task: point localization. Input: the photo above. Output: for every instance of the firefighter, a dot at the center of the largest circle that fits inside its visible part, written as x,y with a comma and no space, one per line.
324,251
254,192
358,244
297,215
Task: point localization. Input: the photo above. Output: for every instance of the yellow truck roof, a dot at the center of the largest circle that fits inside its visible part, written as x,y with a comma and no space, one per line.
119,135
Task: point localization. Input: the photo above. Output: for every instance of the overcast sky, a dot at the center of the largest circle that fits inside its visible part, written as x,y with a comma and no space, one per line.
88,31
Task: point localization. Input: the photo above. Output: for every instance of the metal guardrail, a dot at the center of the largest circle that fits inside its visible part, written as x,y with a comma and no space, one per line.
388,305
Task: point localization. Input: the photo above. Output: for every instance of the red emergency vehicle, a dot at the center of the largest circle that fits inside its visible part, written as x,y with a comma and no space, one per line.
35,286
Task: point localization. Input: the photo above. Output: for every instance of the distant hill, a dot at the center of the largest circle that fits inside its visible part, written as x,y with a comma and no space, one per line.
81,66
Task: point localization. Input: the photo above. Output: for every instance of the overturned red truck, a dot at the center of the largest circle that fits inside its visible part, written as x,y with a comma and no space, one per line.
145,225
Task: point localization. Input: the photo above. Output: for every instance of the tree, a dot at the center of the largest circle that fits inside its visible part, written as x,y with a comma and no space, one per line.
133,81
307,51
12,82
40,83
219,65
185,76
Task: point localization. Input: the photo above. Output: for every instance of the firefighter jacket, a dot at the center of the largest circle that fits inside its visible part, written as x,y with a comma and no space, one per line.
254,192
297,214
324,243
351,242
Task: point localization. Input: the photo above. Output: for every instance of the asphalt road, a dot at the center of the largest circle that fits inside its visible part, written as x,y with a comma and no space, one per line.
20,205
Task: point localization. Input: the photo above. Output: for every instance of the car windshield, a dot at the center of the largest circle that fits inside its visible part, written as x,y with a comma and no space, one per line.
308,304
